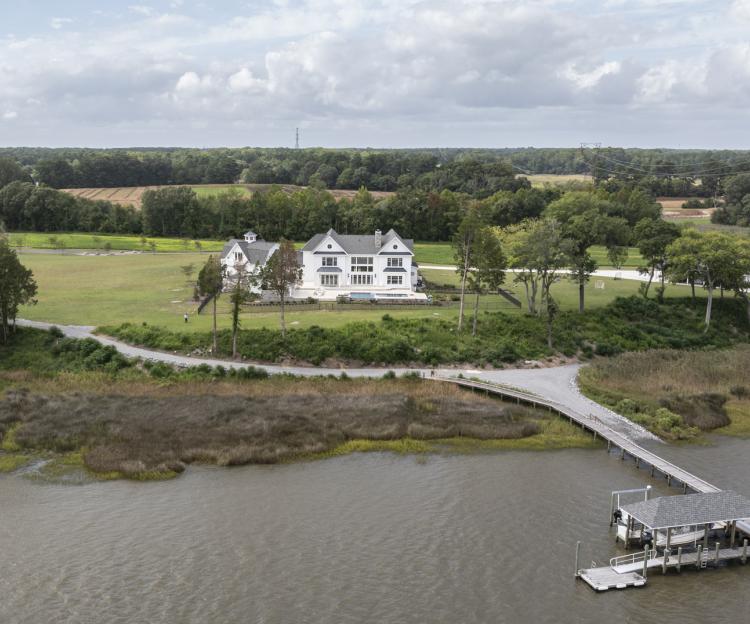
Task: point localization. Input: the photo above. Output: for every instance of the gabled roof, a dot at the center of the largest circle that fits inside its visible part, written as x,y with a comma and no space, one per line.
357,244
256,253
690,509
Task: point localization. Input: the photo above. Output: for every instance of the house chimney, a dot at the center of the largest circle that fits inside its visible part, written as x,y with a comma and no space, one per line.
378,239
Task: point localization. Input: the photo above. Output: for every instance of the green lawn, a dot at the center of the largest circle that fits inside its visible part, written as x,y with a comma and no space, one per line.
425,253
53,240
109,290
442,253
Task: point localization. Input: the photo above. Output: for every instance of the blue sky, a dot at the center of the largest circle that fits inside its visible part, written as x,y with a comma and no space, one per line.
380,73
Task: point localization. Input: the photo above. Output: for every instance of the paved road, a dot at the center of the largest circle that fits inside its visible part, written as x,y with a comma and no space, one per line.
555,383
625,274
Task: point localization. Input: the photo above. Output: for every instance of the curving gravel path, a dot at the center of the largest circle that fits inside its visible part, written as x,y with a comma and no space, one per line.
555,383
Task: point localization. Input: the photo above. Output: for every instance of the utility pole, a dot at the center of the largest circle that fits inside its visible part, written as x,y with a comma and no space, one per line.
296,140
592,165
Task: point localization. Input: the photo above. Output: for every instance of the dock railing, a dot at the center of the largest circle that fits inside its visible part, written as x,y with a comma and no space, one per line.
636,557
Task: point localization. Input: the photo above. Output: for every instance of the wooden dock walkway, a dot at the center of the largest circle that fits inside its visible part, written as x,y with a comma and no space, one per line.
597,428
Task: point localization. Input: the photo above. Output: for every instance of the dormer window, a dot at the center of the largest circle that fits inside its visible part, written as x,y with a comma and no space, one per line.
238,257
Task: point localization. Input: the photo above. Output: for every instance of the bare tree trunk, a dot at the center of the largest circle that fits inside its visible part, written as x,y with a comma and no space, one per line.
549,332
214,346
709,303
581,293
283,321
648,284
234,342
692,289
662,287
476,314
463,287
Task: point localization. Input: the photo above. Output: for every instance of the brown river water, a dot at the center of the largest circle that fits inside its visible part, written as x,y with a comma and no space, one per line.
363,538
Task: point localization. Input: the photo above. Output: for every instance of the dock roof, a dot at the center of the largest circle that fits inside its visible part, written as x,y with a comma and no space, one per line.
691,509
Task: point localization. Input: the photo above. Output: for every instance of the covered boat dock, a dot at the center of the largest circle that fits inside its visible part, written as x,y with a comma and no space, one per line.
696,530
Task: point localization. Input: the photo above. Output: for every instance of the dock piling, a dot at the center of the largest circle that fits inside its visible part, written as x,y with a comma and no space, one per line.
744,551
578,553
664,561
716,559
679,558
699,557
645,561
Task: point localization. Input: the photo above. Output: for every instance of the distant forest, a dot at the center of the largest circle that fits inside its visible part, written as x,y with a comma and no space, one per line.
477,172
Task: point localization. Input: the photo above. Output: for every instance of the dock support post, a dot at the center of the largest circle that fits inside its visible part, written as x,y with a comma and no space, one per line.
652,470
669,479
679,558
665,561
744,551
627,533
705,537
647,494
716,558
623,454
733,534
578,552
609,445
612,509
699,557
684,488
669,540
637,462
645,561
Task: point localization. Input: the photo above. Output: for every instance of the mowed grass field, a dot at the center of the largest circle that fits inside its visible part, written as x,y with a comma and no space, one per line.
152,288
132,195
105,242
425,253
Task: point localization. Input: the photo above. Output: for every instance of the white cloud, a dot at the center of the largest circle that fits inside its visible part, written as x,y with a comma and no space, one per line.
10,115
59,22
141,9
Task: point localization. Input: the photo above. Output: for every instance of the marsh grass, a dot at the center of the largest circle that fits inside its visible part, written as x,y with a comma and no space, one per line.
140,430
9,463
708,390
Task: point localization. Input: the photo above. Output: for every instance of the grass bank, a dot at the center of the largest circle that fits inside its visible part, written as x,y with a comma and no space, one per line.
627,324
676,394
79,405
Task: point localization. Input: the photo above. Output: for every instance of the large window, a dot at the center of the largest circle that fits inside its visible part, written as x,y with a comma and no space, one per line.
238,257
361,280
396,262
330,261
395,280
361,264
329,280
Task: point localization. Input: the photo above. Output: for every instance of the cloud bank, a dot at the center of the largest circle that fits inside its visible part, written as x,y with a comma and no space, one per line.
381,73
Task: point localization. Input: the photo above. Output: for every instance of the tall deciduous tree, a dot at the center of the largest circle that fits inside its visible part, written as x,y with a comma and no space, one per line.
210,284
714,257
242,279
488,270
281,273
653,236
538,252
17,287
586,221
464,251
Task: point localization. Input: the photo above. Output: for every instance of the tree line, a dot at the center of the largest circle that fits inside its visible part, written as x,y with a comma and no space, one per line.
674,173
542,251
